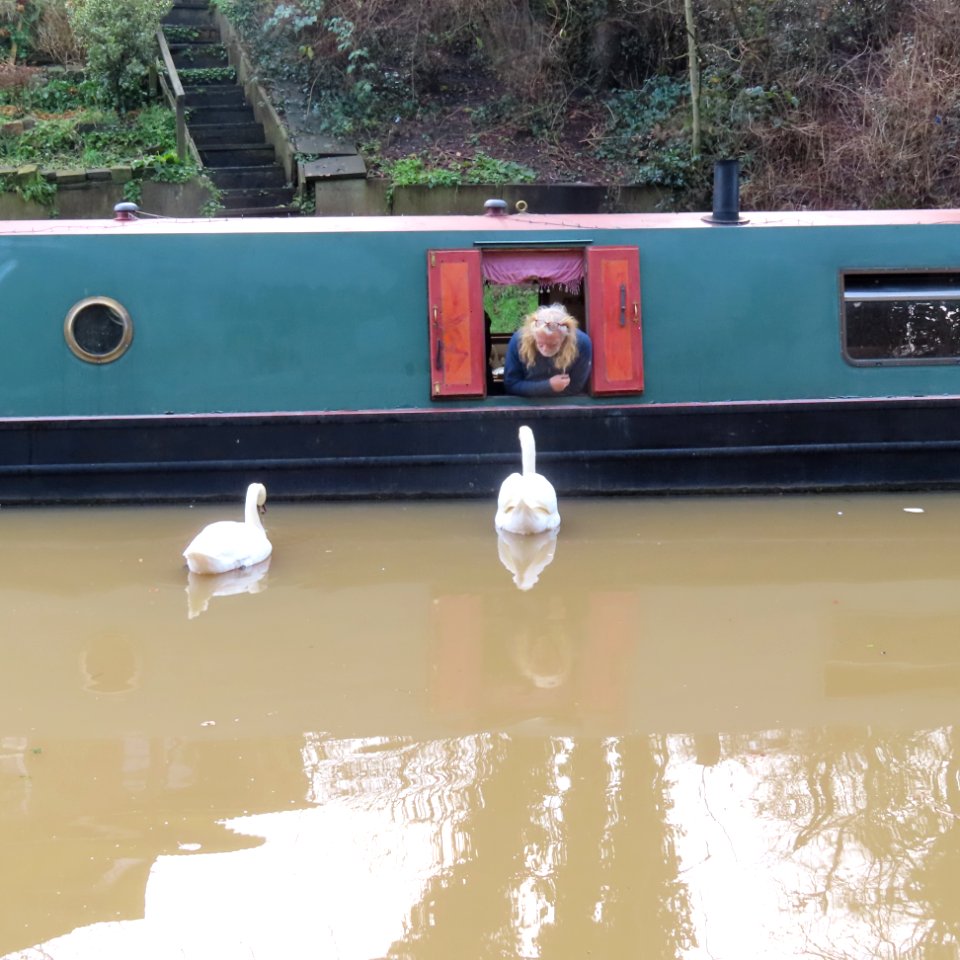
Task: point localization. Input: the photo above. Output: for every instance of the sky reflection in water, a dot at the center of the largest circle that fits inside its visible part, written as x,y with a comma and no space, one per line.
710,728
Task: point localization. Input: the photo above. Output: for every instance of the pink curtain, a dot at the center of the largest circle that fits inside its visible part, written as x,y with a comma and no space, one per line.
545,267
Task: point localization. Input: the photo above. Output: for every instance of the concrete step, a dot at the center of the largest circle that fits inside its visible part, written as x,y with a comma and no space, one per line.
217,115
230,141
191,16
188,5
227,178
250,197
187,33
194,76
221,134
281,211
214,95
237,154
199,56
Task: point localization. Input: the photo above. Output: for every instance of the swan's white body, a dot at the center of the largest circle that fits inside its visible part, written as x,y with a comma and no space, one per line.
526,557
231,544
527,502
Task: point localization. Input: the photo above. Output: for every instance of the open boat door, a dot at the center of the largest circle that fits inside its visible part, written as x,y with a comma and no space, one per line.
613,311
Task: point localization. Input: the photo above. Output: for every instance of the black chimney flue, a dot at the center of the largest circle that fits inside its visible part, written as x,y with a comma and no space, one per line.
726,193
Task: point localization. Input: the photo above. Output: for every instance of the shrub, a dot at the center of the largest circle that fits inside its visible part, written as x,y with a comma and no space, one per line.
18,19
120,39
508,306
14,80
55,39
884,133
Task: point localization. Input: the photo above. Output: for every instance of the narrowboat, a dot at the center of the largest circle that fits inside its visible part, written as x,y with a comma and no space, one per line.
149,359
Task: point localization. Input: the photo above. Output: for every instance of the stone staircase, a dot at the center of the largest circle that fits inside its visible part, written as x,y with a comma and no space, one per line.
230,140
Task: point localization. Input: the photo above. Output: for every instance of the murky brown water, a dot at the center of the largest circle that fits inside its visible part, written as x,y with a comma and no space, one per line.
715,729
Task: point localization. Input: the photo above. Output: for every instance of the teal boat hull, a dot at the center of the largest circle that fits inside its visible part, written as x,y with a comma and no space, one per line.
309,354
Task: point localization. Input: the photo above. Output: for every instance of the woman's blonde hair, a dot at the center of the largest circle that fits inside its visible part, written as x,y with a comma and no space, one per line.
564,357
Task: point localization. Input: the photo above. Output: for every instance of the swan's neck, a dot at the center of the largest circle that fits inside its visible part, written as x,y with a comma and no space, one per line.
528,452
251,511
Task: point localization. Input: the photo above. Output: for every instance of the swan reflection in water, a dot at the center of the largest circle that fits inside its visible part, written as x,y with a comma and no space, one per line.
544,658
202,587
526,556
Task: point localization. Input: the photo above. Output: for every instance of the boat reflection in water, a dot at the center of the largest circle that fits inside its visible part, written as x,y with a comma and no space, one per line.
717,728
202,588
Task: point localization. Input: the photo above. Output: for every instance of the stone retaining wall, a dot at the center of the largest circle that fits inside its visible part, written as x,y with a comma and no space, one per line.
349,197
92,194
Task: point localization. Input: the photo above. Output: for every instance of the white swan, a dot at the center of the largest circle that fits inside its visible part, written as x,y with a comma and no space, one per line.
230,544
526,557
527,501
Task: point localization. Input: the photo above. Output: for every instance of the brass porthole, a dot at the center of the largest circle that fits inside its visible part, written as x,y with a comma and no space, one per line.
98,329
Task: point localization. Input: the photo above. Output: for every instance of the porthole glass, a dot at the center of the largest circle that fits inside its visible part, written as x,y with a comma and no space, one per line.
98,329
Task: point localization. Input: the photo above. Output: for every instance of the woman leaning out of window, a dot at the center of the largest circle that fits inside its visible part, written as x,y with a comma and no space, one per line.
548,356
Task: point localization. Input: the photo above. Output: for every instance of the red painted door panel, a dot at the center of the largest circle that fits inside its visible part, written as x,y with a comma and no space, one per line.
457,352
613,319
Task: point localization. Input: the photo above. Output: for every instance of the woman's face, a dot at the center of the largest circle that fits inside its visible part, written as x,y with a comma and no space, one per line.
549,336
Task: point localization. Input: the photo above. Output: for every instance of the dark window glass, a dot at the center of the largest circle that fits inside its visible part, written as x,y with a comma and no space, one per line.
98,329
890,317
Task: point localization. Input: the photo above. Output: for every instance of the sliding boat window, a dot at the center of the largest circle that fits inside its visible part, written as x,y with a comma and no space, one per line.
479,297
895,318
98,329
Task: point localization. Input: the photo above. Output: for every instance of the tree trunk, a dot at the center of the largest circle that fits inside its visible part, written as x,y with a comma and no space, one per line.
693,59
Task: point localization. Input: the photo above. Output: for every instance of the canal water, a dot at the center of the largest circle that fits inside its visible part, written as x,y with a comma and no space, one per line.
686,728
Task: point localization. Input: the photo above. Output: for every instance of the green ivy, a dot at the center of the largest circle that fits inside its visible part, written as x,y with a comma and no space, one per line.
484,169
413,170
508,305
133,190
92,139
145,141
214,205
213,50
56,94
164,168
305,204
33,189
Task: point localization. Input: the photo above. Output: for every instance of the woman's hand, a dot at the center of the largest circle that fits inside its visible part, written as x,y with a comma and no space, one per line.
559,382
